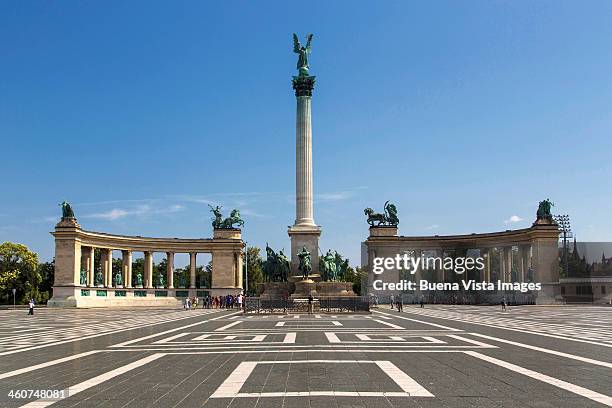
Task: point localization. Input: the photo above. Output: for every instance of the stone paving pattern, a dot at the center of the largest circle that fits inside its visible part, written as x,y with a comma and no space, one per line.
439,356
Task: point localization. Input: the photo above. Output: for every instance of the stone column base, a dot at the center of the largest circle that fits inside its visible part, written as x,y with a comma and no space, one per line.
304,236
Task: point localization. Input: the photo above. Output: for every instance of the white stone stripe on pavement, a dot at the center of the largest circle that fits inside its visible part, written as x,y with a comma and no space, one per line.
230,388
418,321
125,343
75,389
406,383
564,385
543,350
47,364
167,339
395,326
227,326
91,336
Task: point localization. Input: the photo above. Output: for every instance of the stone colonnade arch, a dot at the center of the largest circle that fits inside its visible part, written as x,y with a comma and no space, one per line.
76,283
536,255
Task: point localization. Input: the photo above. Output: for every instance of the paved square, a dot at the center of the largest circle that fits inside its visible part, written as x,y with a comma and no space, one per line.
440,356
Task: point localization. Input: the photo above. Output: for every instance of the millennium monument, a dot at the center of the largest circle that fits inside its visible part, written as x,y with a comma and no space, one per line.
304,233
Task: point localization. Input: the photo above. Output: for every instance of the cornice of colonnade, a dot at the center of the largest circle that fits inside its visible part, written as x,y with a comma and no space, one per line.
149,244
524,236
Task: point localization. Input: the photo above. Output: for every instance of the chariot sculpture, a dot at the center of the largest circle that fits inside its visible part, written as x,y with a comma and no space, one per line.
228,223
389,217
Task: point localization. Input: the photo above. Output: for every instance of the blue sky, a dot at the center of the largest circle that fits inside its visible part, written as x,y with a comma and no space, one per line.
465,114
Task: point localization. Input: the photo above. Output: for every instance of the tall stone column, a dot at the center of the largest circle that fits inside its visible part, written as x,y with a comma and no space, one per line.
90,266
108,267
304,232
508,264
192,270
483,271
170,270
502,265
127,268
418,274
148,269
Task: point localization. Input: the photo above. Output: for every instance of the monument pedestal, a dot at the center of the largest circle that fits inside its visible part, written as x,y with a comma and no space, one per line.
305,288
304,236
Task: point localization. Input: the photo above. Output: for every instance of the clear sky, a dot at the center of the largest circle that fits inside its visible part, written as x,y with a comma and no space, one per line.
464,114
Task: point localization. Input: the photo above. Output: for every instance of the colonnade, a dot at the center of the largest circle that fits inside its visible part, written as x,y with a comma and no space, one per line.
106,267
77,273
507,257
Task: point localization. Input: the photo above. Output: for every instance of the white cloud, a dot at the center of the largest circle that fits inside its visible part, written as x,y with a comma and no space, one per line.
113,214
431,227
334,196
141,210
513,220
250,213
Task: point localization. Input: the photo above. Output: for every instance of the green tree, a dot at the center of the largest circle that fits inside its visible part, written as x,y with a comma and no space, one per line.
117,268
255,270
203,276
19,270
355,276
138,267
160,268
47,273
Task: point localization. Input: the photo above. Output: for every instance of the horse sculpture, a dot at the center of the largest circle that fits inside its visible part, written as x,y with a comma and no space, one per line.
389,217
305,262
276,266
333,267
234,218
228,223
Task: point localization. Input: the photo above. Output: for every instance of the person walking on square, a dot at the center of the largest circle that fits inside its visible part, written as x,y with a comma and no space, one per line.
239,301
422,303
31,307
392,301
310,299
503,304
400,304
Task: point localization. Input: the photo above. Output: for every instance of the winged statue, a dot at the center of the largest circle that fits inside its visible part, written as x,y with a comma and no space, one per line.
302,64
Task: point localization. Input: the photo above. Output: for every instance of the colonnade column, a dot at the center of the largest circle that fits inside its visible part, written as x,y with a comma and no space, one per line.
502,265
91,261
440,270
170,270
148,268
127,268
508,261
521,265
108,267
192,270
417,274
483,271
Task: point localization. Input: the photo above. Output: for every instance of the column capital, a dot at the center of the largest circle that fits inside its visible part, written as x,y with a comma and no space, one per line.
303,85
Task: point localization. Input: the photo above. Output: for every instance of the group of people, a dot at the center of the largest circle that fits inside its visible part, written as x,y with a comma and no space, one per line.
215,302
398,302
